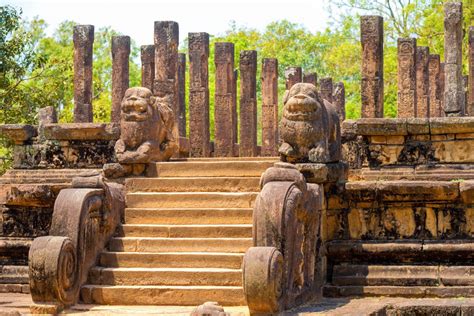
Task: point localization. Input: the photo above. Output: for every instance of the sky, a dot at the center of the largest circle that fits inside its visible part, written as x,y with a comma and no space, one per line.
135,17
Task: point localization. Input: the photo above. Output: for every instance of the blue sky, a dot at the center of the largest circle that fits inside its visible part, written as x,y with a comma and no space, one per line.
135,17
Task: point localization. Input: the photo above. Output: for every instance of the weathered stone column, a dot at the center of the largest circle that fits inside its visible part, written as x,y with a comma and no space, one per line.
235,132
248,103
269,107
166,63
326,88
406,77
470,91
434,85
120,73
339,99
148,66
181,94
310,77
223,101
83,38
293,75
442,79
454,98
199,95
371,38
422,82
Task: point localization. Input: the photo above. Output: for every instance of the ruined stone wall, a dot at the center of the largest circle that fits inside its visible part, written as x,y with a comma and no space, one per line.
408,179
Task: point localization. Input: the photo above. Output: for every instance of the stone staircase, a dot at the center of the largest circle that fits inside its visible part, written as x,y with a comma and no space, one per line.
408,268
187,226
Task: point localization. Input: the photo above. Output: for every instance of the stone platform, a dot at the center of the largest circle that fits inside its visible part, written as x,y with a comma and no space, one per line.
18,304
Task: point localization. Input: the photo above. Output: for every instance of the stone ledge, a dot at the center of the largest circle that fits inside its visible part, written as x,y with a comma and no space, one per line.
405,190
410,126
81,131
18,133
322,173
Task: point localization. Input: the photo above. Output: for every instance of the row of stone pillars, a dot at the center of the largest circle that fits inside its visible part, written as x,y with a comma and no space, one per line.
426,87
164,71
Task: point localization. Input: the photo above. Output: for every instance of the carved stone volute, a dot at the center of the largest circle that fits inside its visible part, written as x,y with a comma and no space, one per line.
83,221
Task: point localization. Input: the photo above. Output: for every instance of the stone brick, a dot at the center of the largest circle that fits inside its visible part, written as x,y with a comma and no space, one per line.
406,77
269,107
454,151
293,75
83,39
434,86
340,100
199,95
181,95
120,73
224,102
422,81
372,66
382,127
452,125
148,65
466,188
248,103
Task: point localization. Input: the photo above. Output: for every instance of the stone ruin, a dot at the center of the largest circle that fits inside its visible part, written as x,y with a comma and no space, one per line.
90,212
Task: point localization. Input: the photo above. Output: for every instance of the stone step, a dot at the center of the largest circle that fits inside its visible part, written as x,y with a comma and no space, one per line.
222,168
14,250
197,159
406,275
189,216
166,276
400,251
14,274
192,231
190,200
171,259
194,184
400,291
162,295
180,244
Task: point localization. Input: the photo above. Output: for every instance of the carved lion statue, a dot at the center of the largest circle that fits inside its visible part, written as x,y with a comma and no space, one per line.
309,129
147,128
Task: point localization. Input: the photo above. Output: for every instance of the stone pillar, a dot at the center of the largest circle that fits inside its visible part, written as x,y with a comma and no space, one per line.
248,103
310,77
442,77
454,103
465,84
406,77
371,38
166,63
422,81
470,91
83,38
269,107
148,66
293,75
234,112
181,94
326,88
224,100
434,86
120,73
199,95
340,100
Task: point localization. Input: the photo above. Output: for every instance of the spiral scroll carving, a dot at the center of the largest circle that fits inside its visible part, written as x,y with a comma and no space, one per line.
83,221
279,269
